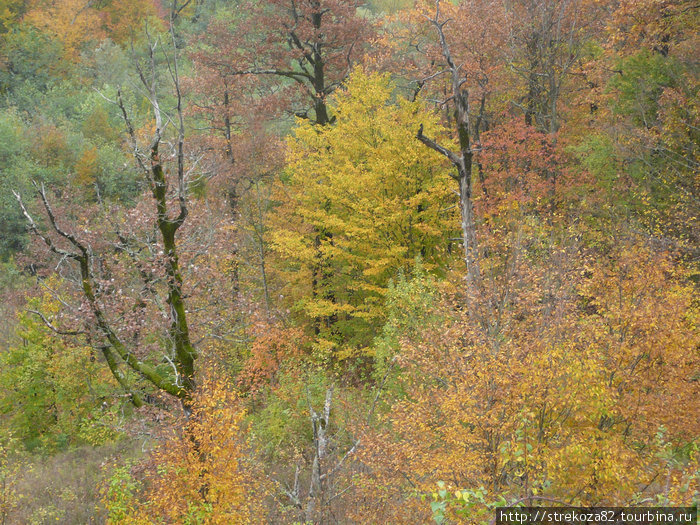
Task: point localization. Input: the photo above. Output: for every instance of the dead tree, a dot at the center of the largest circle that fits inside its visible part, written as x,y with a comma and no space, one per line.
462,159
326,464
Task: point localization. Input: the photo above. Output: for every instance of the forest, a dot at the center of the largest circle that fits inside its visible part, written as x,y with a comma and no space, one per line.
347,261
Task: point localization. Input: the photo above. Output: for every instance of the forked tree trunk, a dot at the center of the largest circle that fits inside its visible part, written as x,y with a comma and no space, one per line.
462,160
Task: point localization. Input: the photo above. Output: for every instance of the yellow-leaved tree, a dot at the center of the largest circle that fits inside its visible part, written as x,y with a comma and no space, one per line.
71,22
361,199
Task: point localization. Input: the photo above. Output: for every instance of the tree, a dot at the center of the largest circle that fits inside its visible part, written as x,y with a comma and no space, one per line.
13,154
29,58
547,44
309,46
667,28
201,476
650,121
102,323
462,159
376,198
71,22
567,407
47,405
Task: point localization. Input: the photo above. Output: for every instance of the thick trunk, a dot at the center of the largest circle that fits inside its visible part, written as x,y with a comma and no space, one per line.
179,329
319,81
321,110
227,126
468,226
184,352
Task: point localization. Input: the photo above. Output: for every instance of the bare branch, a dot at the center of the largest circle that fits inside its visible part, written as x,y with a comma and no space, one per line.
52,218
53,328
35,230
454,159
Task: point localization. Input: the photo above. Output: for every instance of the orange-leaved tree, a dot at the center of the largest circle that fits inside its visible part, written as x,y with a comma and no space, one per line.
199,475
586,395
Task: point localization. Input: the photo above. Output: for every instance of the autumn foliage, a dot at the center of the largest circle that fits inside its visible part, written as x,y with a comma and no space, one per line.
199,474
332,261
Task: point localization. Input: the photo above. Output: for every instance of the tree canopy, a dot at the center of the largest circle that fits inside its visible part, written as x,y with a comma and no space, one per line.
332,261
